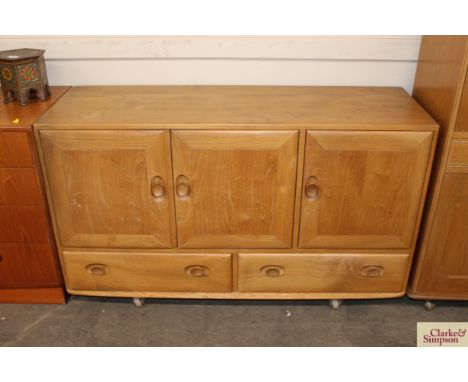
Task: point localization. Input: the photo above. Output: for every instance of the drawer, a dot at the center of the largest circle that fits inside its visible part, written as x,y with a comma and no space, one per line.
15,150
23,224
458,158
27,265
148,272
322,273
19,186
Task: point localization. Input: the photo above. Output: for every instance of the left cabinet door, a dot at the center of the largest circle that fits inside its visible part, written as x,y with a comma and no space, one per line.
110,188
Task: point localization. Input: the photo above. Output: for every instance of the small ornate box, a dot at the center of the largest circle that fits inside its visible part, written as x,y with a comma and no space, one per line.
23,75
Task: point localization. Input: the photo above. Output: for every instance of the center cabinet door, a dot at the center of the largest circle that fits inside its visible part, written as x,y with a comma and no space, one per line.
234,189
111,188
362,189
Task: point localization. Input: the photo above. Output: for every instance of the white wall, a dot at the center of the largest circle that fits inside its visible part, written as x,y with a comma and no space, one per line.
301,60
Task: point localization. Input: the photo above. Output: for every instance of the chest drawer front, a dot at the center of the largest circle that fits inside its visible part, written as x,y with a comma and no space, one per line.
15,150
147,272
458,159
19,224
27,265
19,186
322,273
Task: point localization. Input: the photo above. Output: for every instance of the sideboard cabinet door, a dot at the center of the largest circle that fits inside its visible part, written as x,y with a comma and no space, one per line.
362,189
110,188
234,189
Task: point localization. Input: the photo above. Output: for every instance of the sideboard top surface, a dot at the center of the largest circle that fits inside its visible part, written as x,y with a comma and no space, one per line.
14,115
120,106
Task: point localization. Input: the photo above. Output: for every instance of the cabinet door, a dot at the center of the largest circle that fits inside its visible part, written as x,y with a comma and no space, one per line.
234,188
110,188
444,268
362,189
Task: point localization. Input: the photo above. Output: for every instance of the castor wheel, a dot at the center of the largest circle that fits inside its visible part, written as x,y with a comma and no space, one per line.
335,304
138,301
429,305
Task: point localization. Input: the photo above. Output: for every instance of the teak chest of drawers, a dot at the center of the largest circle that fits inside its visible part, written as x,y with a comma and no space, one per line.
29,265
236,191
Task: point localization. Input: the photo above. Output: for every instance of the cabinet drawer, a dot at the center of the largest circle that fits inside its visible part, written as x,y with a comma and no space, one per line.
15,150
19,224
458,159
322,273
148,272
27,265
19,186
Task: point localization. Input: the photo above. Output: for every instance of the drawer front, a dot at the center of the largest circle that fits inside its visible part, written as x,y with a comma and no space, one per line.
27,265
147,272
23,224
19,186
15,150
458,159
322,273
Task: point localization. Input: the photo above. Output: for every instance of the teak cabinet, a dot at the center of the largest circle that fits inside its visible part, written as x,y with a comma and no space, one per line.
235,191
29,265
441,87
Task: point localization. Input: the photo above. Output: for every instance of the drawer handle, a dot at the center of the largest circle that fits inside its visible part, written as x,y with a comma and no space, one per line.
311,188
197,270
372,271
1,258
97,269
157,187
272,270
182,186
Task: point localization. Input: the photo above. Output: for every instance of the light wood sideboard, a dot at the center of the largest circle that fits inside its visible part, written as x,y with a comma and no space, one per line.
236,192
441,87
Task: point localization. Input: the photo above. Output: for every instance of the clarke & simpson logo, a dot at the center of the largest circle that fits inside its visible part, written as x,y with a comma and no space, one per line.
442,334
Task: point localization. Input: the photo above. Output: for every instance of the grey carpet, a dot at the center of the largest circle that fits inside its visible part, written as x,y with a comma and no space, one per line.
87,321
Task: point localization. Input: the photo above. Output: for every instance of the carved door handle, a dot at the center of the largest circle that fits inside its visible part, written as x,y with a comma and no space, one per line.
182,186
311,188
272,270
158,189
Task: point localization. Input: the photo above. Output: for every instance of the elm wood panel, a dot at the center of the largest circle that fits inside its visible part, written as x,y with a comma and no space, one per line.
368,188
27,265
239,295
111,106
103,191
444,268
241,188
32,296
27,115
15,150
440,68
331,273
458,157
147,272
20,186
461,123
23,224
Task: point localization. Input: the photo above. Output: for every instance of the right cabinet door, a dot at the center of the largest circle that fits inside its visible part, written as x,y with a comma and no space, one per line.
362,189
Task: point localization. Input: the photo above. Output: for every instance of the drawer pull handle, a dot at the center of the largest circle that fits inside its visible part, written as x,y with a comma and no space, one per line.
182,186
272,270
197,270
157,187
372,271
311,188
97,269
1,258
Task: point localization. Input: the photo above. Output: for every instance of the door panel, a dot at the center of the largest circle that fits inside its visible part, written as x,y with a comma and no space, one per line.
111,188
234,188
445,262
362,189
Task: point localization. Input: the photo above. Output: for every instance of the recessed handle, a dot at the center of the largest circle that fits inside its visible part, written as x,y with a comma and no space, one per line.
372,271
158,189
97,269
182,186
311,188
272,270
197,270
1,258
